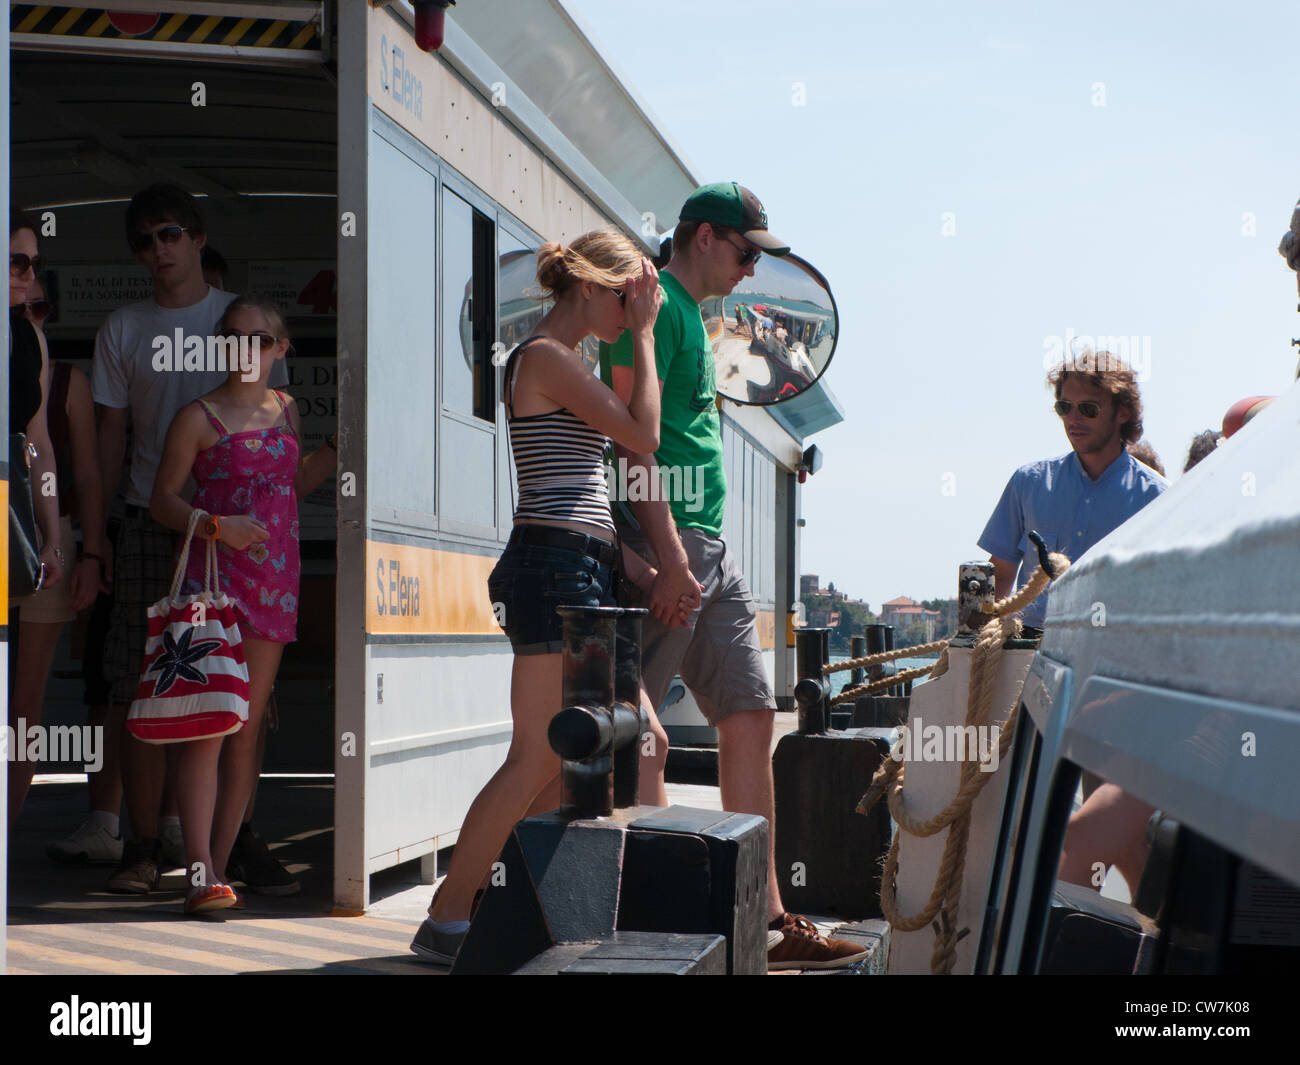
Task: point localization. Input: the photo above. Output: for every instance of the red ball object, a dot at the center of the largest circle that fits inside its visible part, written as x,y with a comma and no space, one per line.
132,23
429,21
1242,411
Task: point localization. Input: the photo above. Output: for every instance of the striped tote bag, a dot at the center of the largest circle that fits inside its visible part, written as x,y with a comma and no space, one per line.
194,684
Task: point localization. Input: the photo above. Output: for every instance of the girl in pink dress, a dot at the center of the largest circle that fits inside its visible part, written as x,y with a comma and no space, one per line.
240,443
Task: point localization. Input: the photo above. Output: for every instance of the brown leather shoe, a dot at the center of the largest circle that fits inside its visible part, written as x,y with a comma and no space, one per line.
803,947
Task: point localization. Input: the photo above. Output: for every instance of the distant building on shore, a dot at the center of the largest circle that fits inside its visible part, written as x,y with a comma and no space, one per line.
903,611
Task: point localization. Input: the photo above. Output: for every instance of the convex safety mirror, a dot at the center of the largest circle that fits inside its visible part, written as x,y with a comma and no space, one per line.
774,336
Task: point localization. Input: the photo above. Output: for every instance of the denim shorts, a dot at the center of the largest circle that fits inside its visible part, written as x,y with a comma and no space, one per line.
530,581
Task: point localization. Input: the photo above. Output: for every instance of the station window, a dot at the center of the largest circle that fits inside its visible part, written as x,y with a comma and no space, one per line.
468,308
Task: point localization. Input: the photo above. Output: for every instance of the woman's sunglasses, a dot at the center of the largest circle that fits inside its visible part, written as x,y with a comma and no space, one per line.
39,308
164,235
21,262
1087,408
622,296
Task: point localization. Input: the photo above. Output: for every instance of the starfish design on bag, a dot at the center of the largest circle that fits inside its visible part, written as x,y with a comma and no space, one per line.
176,658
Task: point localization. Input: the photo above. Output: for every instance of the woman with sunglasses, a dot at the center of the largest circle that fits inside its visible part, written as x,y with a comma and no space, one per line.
29,382
43,616
241,444
562,550
29,385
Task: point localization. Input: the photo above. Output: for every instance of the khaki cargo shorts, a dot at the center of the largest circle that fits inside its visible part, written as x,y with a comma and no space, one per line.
717,653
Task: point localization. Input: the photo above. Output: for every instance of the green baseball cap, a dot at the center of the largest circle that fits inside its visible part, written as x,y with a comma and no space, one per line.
734,206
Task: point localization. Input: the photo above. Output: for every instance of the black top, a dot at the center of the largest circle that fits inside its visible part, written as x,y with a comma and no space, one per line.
24,373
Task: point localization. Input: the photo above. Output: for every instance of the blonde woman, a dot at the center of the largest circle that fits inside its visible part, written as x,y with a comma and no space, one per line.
562,549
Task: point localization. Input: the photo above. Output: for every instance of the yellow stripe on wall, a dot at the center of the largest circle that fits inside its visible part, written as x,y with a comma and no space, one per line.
4,547
418,590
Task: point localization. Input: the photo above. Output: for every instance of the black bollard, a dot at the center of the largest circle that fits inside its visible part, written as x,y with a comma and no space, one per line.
627,705
891,667
857,649
582,733
875,646
812,690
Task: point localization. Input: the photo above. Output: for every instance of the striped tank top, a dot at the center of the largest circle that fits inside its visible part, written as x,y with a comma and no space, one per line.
560,461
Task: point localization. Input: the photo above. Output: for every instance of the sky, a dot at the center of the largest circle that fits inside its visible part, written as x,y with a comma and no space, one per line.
978,183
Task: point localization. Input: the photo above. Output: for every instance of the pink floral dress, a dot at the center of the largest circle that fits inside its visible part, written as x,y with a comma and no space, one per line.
253,473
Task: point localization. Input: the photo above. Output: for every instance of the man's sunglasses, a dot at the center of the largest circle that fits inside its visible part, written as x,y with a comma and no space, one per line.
747,255
20,263
39,308
164,235
264,340
1087,408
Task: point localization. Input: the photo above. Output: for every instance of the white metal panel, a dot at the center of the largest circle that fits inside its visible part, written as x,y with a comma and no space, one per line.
401,331
442,730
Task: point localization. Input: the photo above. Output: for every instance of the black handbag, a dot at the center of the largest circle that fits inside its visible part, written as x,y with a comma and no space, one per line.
26,570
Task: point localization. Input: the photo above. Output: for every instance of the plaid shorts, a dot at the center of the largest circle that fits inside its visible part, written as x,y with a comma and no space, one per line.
144,562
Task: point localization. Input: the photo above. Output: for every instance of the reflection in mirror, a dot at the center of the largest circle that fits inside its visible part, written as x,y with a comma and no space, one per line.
519,308
775,334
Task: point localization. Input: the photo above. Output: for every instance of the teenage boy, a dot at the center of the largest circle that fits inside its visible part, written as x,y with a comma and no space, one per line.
721,234
165,230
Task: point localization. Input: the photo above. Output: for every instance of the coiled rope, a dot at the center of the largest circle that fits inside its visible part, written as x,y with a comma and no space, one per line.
941,910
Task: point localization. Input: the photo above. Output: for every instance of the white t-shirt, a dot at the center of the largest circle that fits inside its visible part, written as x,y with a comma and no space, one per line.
123,375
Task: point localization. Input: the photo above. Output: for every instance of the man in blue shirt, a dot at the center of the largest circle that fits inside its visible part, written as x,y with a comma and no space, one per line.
1075,500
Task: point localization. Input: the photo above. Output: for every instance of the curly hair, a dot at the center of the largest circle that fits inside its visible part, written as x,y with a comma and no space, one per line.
1104,371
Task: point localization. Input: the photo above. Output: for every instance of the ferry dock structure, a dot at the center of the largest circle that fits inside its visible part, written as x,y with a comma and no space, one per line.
396,202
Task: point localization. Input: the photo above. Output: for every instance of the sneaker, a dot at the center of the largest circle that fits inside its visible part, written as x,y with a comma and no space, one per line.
212,897
138,873
803,947
252,863
436,947
89,845
173,846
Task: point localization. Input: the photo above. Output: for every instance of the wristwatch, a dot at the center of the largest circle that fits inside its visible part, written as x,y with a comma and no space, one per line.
212,527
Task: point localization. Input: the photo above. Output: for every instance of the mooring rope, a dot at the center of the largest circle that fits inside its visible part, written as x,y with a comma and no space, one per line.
940,910
885,656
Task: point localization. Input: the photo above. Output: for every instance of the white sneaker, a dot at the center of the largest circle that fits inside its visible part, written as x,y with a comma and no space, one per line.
173,846
91,844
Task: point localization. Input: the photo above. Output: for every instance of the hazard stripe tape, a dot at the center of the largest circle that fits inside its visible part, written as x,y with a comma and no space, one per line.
212,30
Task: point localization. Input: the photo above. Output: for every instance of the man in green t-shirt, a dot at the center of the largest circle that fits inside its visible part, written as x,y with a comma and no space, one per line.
677,499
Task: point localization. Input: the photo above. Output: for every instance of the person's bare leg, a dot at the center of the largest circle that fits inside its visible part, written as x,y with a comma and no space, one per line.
529,767
105,787
261,754
654,757
144,769
1108,829
745,777
238,769
37,641
196,797
547,799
